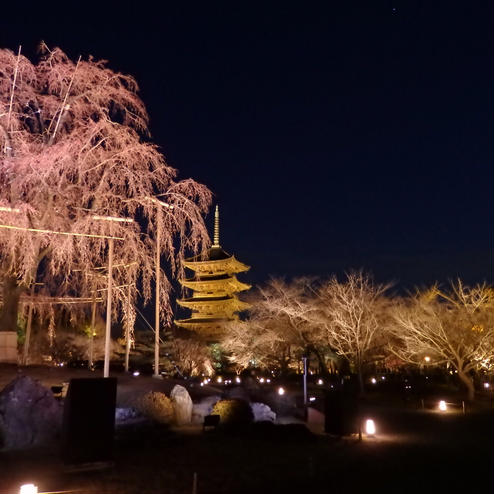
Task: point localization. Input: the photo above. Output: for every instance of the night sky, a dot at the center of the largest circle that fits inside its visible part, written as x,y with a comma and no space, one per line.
334,135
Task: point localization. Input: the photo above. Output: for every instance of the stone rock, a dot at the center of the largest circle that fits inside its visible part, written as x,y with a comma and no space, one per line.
123,415
29,414
182,405
262,413
203,408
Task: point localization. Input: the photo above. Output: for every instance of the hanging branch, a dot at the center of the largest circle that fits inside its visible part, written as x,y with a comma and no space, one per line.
64,105
13,88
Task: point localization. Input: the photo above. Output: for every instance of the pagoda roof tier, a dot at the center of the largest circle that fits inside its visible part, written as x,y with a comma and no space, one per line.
201,303
205,327
215,261
224,282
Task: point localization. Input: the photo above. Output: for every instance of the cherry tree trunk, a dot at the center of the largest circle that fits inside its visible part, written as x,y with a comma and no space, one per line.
8,320
468,382
10,304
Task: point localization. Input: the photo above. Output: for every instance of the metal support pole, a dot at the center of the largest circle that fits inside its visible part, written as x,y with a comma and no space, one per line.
304,359
106,368
25,353
127,334
93,330
157,306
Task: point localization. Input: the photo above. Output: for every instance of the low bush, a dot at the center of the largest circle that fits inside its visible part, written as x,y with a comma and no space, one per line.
233,412
156,406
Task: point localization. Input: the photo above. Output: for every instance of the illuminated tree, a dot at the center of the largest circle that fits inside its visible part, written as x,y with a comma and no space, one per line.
280,327
351,315
74,148
454,327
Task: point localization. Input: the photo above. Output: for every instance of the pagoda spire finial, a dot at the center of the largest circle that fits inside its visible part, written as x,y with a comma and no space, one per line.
216,238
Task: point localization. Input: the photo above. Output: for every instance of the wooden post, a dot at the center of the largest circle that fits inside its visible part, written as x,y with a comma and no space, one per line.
106,368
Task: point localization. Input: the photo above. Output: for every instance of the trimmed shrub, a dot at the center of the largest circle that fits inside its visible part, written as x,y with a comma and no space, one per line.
233,412
156,406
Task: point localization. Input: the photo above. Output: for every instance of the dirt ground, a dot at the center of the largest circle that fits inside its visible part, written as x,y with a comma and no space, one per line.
413,451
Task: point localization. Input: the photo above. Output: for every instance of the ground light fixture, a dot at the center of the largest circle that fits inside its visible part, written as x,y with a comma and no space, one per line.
28,489
442,406
370,427
281,391
320,382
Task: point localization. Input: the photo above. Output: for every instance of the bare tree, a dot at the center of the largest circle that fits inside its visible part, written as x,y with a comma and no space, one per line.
454,327
74,149
351,315
258,343
191,356
280,328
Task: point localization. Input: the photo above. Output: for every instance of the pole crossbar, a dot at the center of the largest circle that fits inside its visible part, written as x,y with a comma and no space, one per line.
53,232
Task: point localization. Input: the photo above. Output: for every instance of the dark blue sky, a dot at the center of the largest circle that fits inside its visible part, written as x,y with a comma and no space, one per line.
335,135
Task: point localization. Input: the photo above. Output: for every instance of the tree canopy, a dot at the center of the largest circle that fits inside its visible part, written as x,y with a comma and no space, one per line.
74,150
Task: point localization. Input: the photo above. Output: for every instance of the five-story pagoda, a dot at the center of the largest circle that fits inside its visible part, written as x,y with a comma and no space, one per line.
214,286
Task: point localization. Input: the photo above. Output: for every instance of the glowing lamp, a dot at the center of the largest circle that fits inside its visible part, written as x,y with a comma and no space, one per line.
320,382
268,380
281,391
238,380
370,427
486,385
219,379
373,380
427,359
135,373
312,398
442,406
28,489
261,380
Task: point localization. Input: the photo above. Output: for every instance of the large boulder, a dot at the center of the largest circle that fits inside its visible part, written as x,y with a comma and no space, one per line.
29,414
262,412
203,408
182,405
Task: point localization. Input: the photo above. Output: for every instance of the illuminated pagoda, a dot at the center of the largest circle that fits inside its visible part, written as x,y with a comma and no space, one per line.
214,286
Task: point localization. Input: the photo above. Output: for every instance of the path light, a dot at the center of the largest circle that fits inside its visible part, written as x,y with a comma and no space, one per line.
442,406
281,391
28,489
268,380
136,373
320,382
373,380
312,398
370,427
261,380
